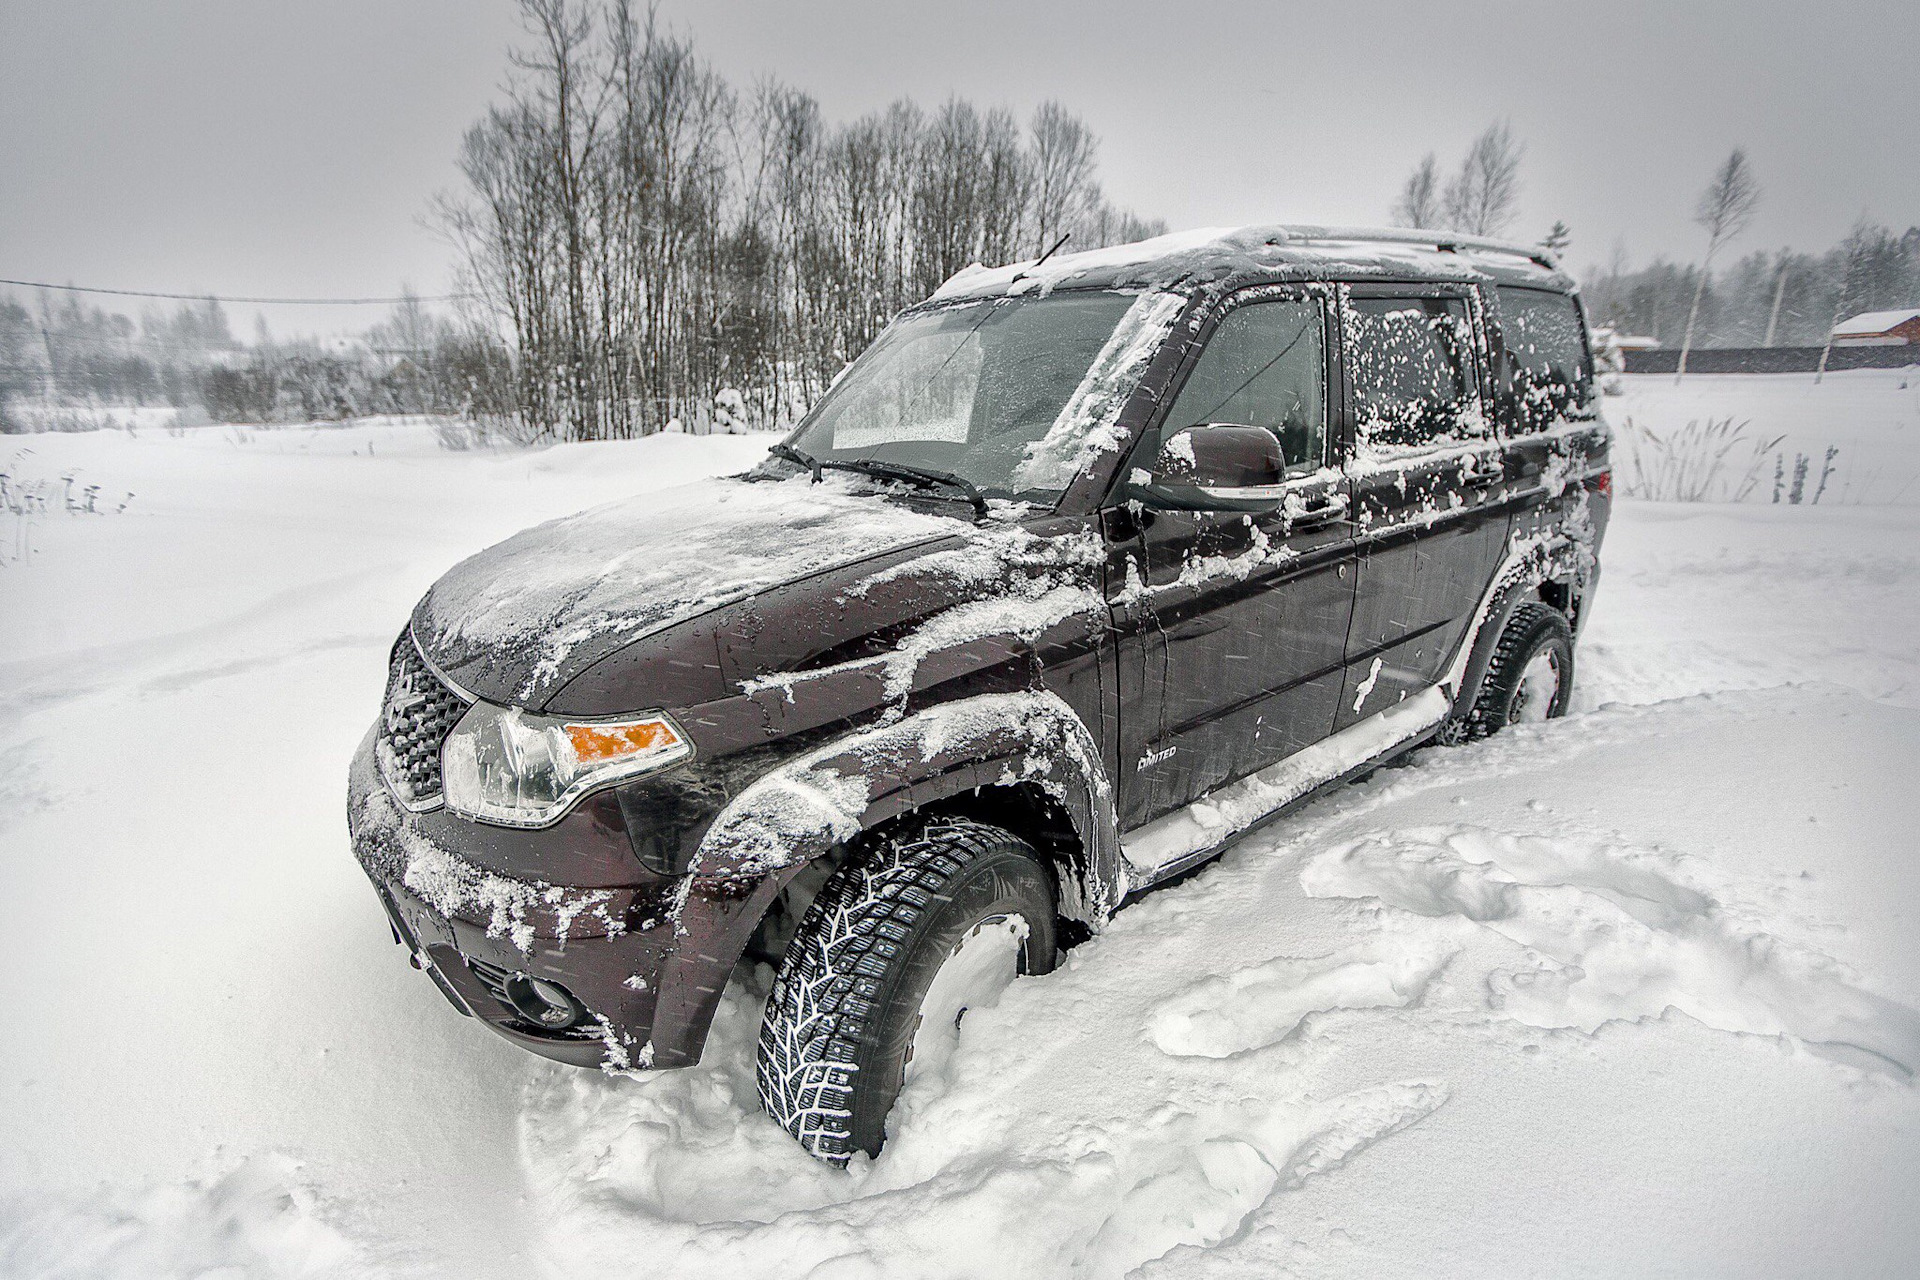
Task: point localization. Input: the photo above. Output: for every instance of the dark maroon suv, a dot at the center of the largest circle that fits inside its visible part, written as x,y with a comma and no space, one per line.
1084,568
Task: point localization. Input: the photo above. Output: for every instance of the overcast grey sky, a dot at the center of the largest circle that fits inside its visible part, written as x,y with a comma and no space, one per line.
271,147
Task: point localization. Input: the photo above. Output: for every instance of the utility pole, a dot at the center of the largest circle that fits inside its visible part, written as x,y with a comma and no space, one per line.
53,377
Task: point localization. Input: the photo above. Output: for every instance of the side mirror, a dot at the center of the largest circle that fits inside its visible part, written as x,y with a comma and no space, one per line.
1215,466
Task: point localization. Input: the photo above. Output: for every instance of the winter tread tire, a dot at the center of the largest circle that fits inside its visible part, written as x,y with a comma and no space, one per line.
849,990
1532,628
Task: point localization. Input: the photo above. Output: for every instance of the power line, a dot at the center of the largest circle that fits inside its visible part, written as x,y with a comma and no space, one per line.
209,297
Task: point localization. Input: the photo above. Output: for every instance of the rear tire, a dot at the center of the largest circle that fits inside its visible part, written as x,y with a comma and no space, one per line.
1530,677
841,1022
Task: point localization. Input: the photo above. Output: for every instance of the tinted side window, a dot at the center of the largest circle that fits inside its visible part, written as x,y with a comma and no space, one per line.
1264,366
1549,370
1411,361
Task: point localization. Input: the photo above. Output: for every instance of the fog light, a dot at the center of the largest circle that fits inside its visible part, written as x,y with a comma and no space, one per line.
547,1005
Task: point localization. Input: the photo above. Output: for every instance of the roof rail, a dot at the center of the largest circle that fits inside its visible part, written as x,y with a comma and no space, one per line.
1445,241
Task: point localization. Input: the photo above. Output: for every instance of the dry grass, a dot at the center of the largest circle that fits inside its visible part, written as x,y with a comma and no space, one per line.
1712,461
26,500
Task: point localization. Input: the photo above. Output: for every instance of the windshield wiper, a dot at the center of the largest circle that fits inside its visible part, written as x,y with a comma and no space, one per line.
925,477
791,454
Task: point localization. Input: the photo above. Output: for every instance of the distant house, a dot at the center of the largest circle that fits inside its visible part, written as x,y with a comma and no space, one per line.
1610,348
1607,336
1880,329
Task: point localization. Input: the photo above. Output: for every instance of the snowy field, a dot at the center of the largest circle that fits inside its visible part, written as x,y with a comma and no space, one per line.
1630,993
1872,416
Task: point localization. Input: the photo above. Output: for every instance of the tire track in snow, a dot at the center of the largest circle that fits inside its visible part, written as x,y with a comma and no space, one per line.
1252,1008
1612,935
37,683
1208,1175
671,1170
1165,1091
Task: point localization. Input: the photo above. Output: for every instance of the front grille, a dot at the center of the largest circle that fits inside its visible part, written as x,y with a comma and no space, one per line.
420,711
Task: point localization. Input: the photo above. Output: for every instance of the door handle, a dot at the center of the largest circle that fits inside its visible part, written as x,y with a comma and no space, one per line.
1331,511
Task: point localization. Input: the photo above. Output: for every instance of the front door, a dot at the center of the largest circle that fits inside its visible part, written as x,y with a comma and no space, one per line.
1234,626
1426,469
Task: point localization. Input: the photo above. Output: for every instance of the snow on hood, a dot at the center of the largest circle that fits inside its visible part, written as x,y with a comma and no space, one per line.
588,583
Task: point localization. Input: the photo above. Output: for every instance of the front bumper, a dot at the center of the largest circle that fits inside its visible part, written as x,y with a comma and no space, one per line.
647,958
467,966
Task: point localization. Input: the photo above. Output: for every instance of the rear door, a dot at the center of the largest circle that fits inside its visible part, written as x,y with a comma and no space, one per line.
1234,626
1426,467
1550,406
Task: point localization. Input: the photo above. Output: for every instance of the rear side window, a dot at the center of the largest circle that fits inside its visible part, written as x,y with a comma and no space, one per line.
1549,369
1264,366
1411,361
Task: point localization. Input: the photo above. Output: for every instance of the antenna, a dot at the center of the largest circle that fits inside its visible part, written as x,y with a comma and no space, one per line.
1022,275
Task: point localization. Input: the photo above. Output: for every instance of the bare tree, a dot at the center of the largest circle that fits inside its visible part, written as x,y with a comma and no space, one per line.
946,197
1782,297
1419,202
1483,198
1855,251
1005,189
502,232
642,238
560,80
1064,189
1724,210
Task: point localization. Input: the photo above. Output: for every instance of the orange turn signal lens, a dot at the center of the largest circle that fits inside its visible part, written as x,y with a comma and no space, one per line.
599,743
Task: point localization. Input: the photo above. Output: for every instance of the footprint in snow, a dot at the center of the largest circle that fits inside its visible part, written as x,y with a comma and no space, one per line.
1262,1005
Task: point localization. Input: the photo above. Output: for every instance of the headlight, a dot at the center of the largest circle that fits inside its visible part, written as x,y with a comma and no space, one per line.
515,769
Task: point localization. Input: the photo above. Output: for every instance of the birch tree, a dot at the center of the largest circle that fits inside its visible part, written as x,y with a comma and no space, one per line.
1855,251
1065,191
1483,197
643,237
1725,208
1419,202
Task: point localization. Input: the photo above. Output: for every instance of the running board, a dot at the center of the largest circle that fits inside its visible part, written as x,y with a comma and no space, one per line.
1170,844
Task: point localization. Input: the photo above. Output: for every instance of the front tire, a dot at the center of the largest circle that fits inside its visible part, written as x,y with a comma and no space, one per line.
932,918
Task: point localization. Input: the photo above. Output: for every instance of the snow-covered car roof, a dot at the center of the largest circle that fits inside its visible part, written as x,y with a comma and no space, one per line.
1287,252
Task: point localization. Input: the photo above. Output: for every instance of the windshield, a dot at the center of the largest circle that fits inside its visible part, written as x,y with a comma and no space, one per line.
965,389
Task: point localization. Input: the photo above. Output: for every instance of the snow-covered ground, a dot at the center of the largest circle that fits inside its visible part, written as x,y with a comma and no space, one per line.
1872,416
1629,993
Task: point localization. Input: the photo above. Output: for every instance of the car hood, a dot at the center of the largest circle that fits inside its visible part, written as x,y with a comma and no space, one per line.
513,623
